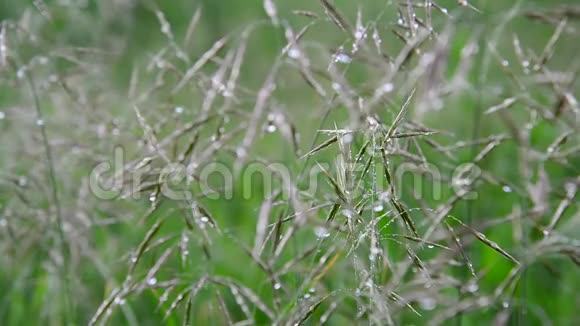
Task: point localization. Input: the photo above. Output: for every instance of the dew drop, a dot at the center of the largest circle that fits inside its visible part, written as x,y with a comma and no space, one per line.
2,115
354,48
469,264
387,87
40,122
377,37
271,128
427,303
228,93
336,87
347,138
369,283
22,181
152,281
505,63
472,287
571,189
505,304
347,213
119,301
321,232
21,73
241,152
506,189
42,60
294,53
277,286
179,109
342,58
546,232
430,246
378,207
165,29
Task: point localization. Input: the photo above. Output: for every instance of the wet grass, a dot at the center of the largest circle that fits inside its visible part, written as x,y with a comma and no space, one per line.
322,162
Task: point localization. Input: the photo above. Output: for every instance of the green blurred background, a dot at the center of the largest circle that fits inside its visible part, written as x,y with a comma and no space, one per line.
130,32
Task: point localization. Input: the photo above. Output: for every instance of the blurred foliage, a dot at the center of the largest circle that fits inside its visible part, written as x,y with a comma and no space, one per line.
129,35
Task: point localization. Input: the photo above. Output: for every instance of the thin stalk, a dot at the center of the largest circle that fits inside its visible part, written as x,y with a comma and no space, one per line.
55,198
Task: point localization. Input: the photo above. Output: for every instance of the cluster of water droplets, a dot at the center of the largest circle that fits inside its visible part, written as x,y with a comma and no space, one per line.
375,251
273,120
359,36
119,301
184,246
526,66
341,56
309,294
153,197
